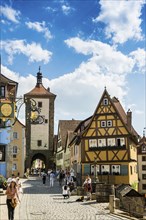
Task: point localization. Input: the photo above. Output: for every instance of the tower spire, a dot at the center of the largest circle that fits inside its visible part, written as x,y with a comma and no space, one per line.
39,77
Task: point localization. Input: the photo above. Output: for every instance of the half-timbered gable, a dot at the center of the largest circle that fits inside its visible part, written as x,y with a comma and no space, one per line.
110,139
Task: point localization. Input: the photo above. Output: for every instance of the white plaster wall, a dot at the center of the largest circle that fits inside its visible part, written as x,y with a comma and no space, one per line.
41,131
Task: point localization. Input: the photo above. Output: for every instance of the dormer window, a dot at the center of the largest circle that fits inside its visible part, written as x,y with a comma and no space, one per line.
105,101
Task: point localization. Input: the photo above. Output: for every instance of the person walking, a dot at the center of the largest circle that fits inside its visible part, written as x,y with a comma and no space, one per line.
12,198
88,187
52,177
61,177
44,178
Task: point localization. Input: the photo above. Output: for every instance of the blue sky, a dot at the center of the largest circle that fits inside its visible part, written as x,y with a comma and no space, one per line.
81,46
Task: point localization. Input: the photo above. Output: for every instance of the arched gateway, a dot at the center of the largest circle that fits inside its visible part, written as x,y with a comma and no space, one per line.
39,124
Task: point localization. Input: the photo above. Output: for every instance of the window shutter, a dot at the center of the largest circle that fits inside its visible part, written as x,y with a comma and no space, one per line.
86,169
124,170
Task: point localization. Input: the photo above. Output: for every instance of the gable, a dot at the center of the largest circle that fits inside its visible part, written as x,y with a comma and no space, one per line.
106,120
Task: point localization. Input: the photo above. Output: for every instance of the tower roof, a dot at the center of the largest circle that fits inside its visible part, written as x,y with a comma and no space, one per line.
39,90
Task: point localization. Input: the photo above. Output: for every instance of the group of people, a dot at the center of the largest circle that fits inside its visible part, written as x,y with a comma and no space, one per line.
14,188
67,181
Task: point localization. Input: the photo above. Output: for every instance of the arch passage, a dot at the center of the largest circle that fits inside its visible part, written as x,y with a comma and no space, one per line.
43,156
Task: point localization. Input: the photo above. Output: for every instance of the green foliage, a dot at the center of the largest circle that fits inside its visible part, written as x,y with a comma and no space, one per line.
134,185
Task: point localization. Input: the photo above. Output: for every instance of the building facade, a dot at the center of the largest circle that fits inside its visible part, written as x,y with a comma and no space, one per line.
107,144
8,91
16,152
141,154
39,124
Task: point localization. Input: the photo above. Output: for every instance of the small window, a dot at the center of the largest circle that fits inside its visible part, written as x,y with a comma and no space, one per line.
131,171
144,186
143,167
111,142
39,143
15,149
143,148
105,169
2,91
101,142
14,155
14,167
144,176
143,158
103,124
46,121
92,143
109,123
94,170
15,135
105,101
120,142
115,169
40,104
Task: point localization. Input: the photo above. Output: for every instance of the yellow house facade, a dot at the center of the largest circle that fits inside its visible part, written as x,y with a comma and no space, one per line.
107,142
17,149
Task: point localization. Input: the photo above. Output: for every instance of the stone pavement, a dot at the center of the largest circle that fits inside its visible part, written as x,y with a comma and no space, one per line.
40,202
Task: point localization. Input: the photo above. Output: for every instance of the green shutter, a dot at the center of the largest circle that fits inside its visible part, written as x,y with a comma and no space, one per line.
86,169
124,170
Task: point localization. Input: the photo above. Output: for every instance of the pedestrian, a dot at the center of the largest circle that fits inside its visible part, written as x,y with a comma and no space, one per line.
61,177
72,173
12,198
44,177
19,185
65,191
88,187
52,177
10,179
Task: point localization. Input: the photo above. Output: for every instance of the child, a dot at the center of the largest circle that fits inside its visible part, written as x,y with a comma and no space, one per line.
66,191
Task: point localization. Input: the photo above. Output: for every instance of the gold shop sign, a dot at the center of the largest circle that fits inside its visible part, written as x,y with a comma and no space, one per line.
7,110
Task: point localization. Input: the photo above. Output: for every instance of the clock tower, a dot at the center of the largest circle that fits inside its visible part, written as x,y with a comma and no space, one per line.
39,124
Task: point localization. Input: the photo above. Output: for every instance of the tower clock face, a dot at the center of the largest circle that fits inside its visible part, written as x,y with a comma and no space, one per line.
6,110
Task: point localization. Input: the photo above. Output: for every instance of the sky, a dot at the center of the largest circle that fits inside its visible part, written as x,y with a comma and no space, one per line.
82,46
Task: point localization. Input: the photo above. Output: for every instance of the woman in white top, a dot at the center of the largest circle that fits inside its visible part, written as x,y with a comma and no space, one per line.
66,191
88,187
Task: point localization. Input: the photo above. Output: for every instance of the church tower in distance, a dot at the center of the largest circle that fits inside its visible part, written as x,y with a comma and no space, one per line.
39,125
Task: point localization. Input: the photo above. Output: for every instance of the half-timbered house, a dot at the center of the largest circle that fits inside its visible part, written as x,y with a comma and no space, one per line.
108,144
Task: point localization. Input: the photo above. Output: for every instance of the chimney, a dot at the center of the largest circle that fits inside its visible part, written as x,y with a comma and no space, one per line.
129,119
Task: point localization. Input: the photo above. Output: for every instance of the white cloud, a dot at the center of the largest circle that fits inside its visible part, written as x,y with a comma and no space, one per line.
122,19
104,55
139,57
10,13
40,27
66,9
33,51
79,92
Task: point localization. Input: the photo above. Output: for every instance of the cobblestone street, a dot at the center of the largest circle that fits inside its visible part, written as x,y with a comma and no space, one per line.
40,202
